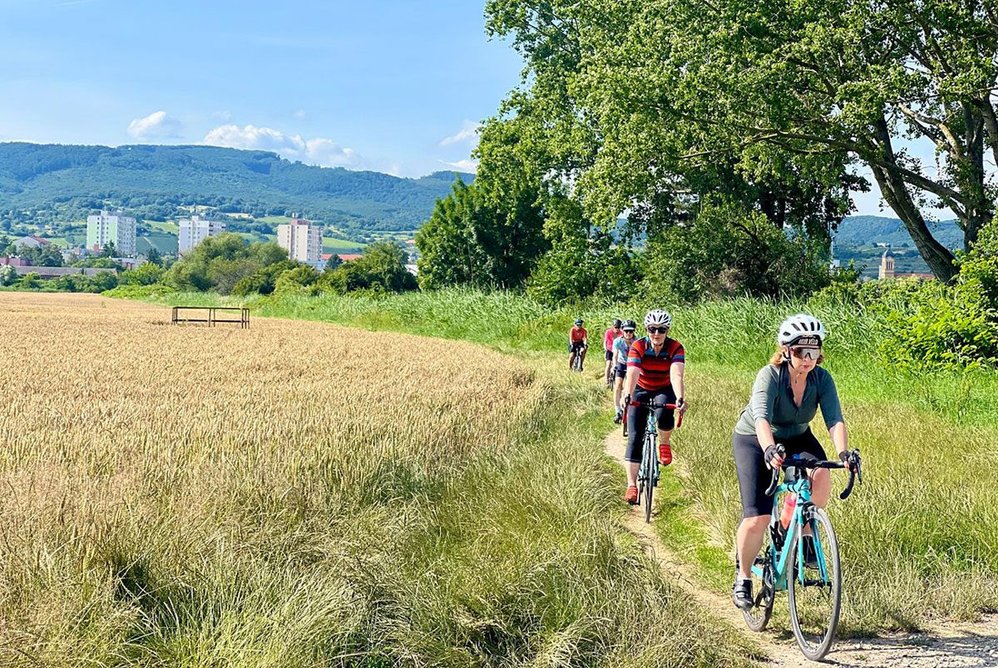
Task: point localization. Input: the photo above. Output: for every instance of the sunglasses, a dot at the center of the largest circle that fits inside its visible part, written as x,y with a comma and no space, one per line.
805,353
658,330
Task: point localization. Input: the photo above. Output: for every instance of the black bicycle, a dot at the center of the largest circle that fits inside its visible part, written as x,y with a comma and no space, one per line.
650,471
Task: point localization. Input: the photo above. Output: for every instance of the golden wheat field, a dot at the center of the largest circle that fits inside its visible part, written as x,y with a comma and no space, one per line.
127,441
298,494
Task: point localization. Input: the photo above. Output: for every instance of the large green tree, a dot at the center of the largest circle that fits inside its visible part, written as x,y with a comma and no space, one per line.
829,80
472,239
588,124
683,95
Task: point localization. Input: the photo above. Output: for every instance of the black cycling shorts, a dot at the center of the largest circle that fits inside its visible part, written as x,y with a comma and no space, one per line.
620,371
754,477
609,355
576,347
637,419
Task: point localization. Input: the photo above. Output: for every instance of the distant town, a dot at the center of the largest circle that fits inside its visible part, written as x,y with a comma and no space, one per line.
111,236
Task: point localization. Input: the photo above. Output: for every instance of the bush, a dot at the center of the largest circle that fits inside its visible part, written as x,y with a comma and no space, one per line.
296,280
146,273
932,326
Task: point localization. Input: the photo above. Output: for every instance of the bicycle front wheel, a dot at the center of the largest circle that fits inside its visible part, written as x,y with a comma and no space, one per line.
815,590
649,457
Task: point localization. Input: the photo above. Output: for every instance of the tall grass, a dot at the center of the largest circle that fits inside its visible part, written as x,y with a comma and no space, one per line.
918,537
296,494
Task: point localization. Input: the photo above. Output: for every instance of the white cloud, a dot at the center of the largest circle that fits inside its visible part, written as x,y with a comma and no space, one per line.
318,151
300,114
466,166
157,125
468,132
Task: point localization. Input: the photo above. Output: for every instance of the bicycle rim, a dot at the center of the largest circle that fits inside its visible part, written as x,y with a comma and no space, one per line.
816,602
763,594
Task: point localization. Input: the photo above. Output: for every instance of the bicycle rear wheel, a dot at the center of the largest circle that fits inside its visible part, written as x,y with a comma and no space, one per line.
815,594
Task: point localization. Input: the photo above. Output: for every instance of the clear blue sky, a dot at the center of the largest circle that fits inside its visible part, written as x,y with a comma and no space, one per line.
391,85
367,84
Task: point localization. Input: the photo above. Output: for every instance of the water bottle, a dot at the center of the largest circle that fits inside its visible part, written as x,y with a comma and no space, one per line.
789,505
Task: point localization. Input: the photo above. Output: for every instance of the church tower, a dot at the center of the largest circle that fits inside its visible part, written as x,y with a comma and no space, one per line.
887,264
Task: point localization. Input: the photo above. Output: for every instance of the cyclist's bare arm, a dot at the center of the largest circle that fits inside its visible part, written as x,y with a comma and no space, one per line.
631,382
840,437
677,373
764,432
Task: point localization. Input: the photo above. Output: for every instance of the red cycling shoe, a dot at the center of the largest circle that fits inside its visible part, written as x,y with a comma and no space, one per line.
631,496
665,453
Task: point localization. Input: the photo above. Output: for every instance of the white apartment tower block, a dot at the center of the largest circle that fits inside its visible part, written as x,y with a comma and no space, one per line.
195,230
303,241
113,228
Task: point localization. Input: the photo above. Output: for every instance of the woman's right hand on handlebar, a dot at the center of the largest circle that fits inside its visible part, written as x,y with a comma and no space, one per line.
774,456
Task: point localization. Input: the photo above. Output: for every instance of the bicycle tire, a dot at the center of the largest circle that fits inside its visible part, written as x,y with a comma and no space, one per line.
649,457
757,618
815,651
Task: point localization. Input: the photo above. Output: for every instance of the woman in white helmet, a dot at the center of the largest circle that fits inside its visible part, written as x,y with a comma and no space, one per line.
785,397
656,365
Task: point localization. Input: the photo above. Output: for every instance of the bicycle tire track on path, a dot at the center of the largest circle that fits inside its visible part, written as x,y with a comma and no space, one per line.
949,645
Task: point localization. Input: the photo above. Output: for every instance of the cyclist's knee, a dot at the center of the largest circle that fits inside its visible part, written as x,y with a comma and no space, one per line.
756,523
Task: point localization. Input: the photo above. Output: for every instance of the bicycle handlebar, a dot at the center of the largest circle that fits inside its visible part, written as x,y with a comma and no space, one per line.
653,405
794,463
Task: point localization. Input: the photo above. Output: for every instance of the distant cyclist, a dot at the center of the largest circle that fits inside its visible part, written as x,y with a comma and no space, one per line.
578,341
785,397
655,368
608,338
621,346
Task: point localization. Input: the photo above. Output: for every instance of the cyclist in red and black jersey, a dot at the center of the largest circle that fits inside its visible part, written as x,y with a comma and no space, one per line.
578,341
655,368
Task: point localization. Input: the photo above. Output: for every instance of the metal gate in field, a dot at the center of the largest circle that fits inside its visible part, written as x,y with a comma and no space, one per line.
211,315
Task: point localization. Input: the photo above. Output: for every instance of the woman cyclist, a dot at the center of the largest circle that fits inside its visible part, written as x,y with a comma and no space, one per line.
621,346
785,397
578,341
655,368
609,336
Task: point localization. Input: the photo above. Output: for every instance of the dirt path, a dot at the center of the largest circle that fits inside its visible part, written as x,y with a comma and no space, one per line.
949,645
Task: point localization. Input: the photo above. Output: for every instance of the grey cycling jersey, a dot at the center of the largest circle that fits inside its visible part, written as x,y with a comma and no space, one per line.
773,400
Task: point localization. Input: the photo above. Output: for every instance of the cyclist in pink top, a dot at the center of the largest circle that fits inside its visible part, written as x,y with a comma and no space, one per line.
608,338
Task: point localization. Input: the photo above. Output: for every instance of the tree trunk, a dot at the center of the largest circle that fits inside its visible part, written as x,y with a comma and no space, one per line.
937,256
895,190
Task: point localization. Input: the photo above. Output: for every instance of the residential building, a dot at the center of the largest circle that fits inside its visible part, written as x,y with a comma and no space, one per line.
115,228
195,230
303,241
31,241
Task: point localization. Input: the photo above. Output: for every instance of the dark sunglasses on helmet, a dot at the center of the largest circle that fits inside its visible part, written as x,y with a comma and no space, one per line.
658,330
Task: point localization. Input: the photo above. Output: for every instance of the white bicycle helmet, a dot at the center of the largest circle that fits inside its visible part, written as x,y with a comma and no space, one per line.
801,326
658,318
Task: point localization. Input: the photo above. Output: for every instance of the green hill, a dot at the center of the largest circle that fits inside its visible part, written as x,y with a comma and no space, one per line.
50,183
860,239
869,230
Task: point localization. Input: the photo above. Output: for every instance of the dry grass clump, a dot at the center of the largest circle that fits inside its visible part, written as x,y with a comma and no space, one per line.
299,494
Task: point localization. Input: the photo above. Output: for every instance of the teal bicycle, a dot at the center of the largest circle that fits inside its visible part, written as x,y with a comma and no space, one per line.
802,558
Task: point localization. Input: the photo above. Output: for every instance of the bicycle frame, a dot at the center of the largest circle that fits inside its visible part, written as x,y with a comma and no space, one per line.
651,440
780,559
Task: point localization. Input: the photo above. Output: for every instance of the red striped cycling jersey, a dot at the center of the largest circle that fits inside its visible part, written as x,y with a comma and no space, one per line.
655,368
